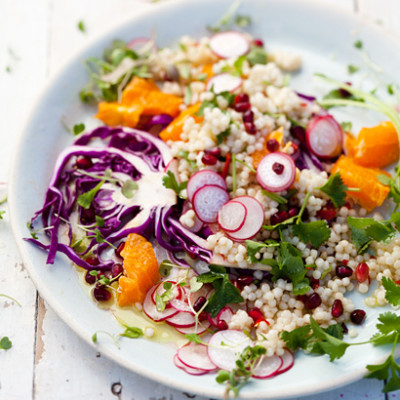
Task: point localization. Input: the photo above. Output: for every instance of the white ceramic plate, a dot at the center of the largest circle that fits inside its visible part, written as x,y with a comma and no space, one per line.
325,38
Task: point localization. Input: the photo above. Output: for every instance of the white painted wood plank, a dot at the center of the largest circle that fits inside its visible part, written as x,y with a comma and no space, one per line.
23,49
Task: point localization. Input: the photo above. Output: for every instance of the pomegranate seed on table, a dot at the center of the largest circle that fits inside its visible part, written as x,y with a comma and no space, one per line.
250,128
89,278
362,272
343,271
272,145
337,308
258,42
248,116
312,301
119,248
241,98
358,316
209,159
100,293
242,107
116,270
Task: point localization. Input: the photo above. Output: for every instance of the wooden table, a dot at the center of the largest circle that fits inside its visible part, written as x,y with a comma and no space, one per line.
48,361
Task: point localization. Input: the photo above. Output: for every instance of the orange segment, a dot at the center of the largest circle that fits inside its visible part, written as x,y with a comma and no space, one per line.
375,147
372,193
258,155
113,114
174,129
140,270
208,70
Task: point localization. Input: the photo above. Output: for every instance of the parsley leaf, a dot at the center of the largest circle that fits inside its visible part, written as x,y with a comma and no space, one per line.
225,291
389,370
85,199
170,182
335,189
78,128
316,232
5,343
392,293
254,247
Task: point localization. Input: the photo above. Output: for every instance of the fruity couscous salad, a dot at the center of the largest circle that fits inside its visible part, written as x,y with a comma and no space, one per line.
218,201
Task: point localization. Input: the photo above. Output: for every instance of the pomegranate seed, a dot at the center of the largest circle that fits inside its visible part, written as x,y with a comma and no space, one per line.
116,270
337,309
278,168
312,301
362,272
88,216
296,151
92,261
248,116
242,107
250,128
345,262
216,152
119,248
256,314
241,98
203,316
358,317
222,325
83,163
327,212
199,303
258,322
398,282
347,205
343,271
314,283
298,132
100,293
293,212
258,42
345,328
272,145
209,159
90,279
244,280
279,217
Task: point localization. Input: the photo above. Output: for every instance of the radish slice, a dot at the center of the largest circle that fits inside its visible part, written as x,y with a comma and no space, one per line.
202,178
269,366
181,320
223,83
181,305
324,136
173,167
213,321
196,356
151,311
207,201
191,371
225,348
229,44
276,172
200,329
177,292
254,219
141,45
231,216
225,314
287,361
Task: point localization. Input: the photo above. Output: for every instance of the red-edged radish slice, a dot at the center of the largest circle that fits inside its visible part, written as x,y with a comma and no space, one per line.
229,44
151,311
254,219
191,371
195,355
141,44
173,167
181,320
268,367
202,178
177,292
207,201
225,314
200,329
276,172
213,321
204,291
224,83
287,362
231,216
324,136
225,348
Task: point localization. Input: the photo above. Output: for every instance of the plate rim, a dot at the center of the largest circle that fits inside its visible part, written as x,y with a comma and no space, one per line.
51,299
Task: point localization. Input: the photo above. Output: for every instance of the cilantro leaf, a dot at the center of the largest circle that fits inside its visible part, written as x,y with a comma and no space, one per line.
78,128
335,189
223,135
392,293
389,370
316,232
5,343
254,247
170,182
297,338
85,199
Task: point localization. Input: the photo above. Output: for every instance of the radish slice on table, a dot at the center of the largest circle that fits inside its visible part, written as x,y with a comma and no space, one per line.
200,329
207,201
151,311
268,367
191,371
231,216
287,361
276,172
324,136
202,178
196,356
181,320
229,44
223,83
225,348
254,219
159,289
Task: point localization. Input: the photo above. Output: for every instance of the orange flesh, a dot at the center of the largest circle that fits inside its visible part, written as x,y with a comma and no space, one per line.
258,155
